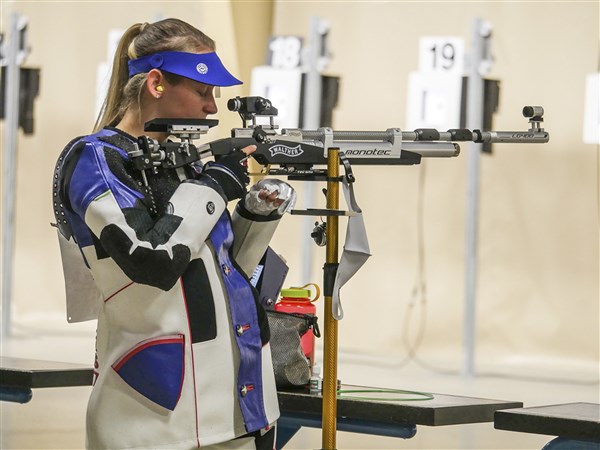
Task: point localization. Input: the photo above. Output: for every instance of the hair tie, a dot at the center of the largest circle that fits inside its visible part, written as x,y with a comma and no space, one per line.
131,50
131,53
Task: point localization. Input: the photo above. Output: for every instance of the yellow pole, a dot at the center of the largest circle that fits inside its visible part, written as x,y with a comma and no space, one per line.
329,416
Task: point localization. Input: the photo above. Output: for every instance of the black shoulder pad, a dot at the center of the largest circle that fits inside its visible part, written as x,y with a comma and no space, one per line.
119,141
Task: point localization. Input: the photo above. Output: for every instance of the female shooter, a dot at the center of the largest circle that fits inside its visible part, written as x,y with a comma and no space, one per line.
182,352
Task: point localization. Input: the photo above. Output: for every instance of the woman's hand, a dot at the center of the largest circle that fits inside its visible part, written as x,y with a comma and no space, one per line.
230,172
249,150
270,196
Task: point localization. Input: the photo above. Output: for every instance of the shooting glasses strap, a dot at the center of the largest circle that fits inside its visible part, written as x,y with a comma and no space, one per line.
356,249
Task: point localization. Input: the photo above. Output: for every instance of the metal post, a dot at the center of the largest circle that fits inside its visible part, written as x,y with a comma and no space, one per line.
478,59
311,121
14,56
330,335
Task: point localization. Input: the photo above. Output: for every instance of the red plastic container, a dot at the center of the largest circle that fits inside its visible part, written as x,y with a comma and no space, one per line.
298,300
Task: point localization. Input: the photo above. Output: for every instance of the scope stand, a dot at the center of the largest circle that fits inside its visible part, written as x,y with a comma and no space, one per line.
330,344
330,335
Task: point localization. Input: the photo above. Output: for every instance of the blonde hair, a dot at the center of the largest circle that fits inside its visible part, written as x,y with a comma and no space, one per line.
140,40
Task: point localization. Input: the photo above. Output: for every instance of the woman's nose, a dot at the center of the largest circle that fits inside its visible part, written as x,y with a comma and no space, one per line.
211,106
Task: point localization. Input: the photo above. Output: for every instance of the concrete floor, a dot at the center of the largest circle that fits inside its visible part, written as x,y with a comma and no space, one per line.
55,418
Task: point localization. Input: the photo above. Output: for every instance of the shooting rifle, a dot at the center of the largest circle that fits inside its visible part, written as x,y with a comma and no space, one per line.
298,153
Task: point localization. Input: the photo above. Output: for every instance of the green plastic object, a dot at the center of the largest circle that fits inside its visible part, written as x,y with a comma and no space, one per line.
295,293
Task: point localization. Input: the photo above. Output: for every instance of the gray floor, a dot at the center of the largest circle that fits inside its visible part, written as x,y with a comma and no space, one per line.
55,418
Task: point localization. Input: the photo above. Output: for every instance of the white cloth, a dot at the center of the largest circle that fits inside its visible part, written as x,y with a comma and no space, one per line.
356,249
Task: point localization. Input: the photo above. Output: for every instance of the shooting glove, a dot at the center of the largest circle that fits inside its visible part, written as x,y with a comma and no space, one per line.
256,199
230,172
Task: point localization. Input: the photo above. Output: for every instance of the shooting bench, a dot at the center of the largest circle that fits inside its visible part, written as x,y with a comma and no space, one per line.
298,408
19,376
383,417
577,425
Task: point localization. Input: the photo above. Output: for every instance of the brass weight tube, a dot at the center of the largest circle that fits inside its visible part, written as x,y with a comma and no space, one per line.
330,350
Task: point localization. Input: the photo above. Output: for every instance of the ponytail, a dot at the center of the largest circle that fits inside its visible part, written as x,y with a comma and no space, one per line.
112,108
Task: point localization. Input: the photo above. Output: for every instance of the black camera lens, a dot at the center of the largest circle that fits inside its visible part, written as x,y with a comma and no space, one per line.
234,104
251,106
533,111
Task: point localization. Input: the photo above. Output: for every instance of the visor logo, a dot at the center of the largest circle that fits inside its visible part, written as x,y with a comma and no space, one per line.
292,152
202,69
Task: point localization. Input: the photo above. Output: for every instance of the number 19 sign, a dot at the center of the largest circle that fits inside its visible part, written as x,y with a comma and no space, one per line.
442,55
434,92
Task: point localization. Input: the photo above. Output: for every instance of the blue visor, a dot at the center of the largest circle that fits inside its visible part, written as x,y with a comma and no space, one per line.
206,68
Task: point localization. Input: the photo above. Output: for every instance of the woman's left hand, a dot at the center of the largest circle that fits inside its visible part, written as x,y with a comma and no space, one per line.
269,195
